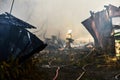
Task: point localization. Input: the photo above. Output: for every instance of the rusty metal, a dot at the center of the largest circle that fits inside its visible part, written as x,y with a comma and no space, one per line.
100,27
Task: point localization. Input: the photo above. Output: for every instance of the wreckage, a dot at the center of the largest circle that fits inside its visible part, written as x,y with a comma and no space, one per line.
53,43
100,26
15,40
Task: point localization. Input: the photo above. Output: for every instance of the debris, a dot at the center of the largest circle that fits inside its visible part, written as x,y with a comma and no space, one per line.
15,40
100,26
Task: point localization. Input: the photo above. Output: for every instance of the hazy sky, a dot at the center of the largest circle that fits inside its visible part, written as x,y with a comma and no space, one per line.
57,15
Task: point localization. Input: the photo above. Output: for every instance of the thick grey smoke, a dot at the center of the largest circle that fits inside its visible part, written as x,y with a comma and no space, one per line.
56,16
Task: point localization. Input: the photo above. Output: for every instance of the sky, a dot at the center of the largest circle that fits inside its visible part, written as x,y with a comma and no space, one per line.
56,16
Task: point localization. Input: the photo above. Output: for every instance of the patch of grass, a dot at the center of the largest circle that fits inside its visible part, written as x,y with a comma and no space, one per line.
26,71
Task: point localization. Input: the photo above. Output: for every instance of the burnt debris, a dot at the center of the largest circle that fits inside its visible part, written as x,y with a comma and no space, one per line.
53,43
15,40
100,26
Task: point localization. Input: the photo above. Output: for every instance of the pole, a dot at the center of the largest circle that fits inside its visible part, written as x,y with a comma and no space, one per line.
11,7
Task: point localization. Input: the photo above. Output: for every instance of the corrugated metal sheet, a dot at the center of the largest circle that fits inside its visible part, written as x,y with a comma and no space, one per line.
15,40
100,27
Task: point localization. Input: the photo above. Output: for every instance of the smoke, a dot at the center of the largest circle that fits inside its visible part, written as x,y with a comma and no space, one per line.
56,16
116,21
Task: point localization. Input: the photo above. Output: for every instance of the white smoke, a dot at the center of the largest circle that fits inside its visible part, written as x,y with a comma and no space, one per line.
56,16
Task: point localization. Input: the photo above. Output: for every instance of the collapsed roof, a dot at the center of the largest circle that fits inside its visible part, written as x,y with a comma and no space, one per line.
100,26
15,40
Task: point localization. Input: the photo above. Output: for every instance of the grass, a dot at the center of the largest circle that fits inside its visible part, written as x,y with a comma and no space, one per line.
25,71
31,70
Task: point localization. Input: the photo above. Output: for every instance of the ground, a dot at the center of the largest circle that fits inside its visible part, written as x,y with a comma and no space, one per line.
72,63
